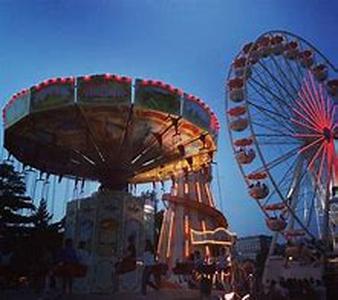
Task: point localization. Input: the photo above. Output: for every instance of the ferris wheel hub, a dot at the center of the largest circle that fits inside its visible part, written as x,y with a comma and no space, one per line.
327,133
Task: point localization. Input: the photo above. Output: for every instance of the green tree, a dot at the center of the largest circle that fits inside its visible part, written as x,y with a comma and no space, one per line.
13,200
43,230
42,218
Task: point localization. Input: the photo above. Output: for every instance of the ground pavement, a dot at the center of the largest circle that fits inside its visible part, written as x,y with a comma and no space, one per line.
168,294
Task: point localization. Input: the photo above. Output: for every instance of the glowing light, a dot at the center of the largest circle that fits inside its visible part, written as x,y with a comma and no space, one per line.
187,250
174,189
304,148
170,233
315,115
186,232
207,250
186,188
315,156
164,222
209,197
205,233
186,224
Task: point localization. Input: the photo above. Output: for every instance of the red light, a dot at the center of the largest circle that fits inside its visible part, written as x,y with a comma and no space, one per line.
108,76
87,78
63,79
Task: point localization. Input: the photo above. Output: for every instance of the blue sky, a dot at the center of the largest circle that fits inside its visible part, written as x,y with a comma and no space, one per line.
187,43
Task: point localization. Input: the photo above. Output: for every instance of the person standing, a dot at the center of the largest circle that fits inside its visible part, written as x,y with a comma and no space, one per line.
83,257
149,263
67,260
224,268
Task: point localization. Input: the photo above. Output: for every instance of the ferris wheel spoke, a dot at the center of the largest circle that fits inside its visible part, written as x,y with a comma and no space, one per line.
316,97
272,115
286,78
270,128
306,107
275,140
319,174
315,102
277,161
302,175
280,135
295,187
285,179
332,118
262,92
275,98
263,109
330,109
292,70
305,118
269,143
275,80
306,126
300,69
315,156
266,99
310,145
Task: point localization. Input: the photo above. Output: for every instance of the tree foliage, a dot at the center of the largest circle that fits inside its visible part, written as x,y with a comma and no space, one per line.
12,198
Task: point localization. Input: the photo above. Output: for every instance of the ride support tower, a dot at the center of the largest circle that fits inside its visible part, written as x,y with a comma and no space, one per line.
192,222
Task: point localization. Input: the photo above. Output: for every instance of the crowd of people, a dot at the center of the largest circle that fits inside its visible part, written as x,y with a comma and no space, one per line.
294,289
68,267
48,268
208,273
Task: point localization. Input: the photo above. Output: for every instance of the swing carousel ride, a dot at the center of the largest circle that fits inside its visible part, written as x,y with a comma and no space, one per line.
281,113
121,132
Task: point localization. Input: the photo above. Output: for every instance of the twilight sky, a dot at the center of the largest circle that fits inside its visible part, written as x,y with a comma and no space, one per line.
187,43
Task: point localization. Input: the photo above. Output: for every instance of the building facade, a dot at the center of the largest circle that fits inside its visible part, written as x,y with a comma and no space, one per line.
250,247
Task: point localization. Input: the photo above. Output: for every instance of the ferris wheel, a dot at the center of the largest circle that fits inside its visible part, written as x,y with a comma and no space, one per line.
281,120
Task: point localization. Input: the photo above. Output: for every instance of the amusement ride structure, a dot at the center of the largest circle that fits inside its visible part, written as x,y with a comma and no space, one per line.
121,132
281,113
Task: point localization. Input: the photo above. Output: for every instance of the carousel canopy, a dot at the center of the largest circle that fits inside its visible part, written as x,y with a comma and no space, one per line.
109,128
